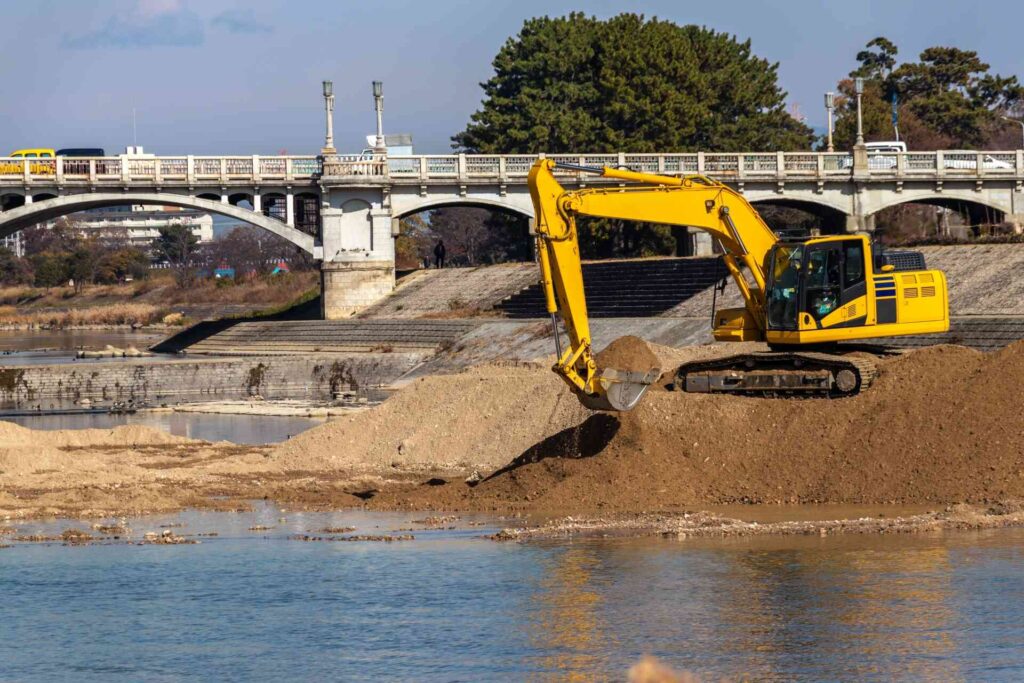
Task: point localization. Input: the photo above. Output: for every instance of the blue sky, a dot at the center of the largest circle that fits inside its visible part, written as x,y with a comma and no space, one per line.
243,76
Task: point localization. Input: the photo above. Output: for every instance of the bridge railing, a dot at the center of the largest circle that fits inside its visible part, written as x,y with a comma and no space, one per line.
182,169
737,167
754,166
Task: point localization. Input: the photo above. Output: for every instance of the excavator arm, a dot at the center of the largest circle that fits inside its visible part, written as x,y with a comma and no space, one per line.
693,201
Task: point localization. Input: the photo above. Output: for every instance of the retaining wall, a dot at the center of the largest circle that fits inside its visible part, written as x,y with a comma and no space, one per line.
175,381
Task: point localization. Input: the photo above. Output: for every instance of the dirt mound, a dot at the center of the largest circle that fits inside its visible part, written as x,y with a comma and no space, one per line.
628,353
939,425
480,418
12,435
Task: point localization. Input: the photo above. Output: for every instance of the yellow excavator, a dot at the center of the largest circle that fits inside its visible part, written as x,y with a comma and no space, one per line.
802,296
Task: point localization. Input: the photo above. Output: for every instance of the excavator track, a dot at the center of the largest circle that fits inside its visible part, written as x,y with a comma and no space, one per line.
778,373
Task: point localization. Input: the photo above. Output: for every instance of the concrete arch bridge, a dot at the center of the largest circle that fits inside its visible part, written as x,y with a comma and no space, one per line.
344,210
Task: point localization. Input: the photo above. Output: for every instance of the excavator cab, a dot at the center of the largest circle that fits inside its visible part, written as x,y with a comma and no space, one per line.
810,281
829,289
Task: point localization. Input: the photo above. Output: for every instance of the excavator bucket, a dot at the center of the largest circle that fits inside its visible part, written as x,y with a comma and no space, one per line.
620,390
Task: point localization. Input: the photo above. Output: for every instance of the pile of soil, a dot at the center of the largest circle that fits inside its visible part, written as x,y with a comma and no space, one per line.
12,435
939,425
479,418
628,353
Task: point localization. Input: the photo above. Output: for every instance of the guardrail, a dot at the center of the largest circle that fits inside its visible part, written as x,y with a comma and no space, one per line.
481,167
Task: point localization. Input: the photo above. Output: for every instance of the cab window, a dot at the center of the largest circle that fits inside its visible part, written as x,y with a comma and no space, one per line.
46,155
783,288
853,255
823,281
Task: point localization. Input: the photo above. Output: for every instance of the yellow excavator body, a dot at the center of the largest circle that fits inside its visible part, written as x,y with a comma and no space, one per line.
798,295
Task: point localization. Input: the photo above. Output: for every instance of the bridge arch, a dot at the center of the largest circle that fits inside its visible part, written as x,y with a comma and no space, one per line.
830,219
945,198
427,204
502,233
30,214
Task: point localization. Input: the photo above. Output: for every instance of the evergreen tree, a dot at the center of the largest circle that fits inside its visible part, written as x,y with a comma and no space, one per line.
581,84
946,99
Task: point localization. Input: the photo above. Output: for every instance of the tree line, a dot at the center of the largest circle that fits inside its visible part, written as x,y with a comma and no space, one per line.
634,84
66,253
946,99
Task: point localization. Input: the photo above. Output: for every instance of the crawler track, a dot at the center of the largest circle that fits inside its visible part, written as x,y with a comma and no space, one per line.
778,374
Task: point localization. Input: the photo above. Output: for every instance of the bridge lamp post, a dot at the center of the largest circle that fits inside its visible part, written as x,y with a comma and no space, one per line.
1018,122
329,108
830,106
858,87
379,147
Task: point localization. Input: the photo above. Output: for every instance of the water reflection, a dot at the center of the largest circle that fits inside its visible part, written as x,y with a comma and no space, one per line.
453,606
46,347
243,429
566,624
837,609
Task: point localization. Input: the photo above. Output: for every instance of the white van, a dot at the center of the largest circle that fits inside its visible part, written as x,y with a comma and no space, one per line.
882,155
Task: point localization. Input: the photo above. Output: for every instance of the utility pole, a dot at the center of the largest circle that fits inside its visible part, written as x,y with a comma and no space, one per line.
328,148
830,105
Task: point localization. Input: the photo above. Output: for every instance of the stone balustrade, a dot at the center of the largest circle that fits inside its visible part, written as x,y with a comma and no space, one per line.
256,169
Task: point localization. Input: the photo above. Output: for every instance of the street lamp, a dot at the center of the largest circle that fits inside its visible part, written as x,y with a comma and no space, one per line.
378,104
858,87
830,105
329,109
1019,122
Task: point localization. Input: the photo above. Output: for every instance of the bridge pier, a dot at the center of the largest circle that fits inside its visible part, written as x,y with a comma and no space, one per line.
348,287
860,223
358,269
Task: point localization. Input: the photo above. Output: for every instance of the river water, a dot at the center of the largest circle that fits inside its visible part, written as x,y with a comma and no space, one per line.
453,606
243,429
47,347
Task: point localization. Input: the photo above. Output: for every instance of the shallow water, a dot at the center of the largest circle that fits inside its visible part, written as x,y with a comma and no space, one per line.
243,429
453,606
37,347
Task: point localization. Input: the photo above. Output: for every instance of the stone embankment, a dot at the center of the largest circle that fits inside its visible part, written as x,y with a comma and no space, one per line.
40,387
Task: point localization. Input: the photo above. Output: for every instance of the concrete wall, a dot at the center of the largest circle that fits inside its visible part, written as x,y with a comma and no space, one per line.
178,381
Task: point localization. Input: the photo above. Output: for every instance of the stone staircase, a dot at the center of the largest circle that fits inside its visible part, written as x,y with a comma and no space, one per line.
985,333
333,336
628,289
453,292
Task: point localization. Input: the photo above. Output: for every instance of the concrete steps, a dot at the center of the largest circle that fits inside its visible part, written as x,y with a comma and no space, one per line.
453,290
628,289
985,333
334,336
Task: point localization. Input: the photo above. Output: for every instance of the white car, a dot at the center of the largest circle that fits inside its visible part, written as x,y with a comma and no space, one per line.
882,156
967,160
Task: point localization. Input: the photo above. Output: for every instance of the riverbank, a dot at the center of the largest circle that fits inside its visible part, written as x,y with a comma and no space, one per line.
154,302
938,428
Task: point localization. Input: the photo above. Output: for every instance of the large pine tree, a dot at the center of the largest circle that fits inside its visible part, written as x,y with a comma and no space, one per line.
581,84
